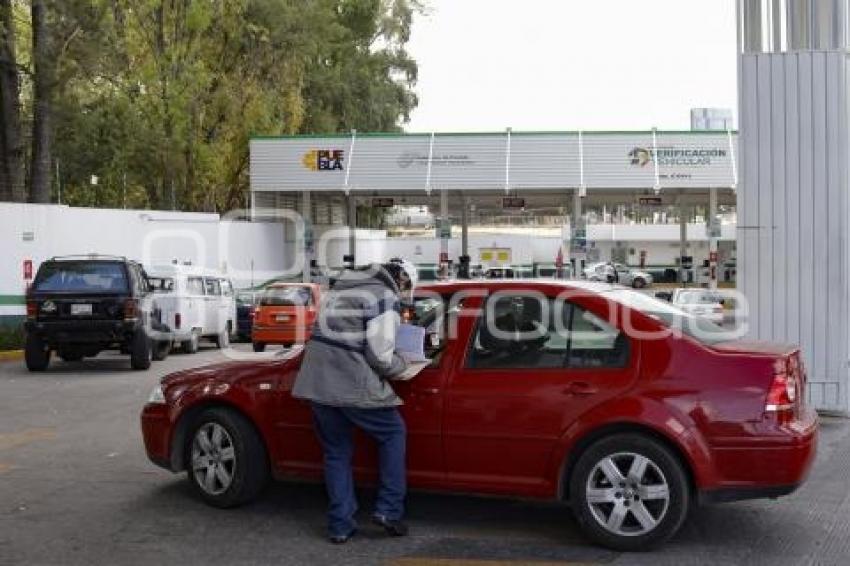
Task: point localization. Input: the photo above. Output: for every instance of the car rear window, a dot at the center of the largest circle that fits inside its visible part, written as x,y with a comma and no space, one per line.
81,277
287,296
698,328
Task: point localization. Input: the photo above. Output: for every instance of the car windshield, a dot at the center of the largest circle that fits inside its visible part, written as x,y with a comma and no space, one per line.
697,298
287,296
161,284
699,328
81,277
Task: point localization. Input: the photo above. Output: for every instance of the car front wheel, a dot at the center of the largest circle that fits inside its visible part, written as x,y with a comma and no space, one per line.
629,492
639,283
226,459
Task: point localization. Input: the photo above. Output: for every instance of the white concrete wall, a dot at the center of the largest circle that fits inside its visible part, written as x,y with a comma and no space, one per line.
151,237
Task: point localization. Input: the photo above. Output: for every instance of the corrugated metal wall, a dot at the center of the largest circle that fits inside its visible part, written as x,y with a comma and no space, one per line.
793,214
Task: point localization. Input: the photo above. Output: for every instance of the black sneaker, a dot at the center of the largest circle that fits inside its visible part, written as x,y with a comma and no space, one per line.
342,539
393,528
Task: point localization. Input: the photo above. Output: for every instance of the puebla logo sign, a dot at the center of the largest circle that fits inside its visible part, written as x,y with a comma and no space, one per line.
323,160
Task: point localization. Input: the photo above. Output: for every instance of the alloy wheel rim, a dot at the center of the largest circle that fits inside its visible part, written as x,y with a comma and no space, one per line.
213,458
627,494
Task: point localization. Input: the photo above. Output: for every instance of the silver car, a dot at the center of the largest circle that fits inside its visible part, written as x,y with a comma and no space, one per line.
625,275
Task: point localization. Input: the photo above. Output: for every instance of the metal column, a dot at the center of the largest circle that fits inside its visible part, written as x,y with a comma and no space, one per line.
352,229
683,238
577,231
464,259
445,233
306,236
713,235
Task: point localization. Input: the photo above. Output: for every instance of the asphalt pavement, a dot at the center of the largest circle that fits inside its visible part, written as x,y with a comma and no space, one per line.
77,488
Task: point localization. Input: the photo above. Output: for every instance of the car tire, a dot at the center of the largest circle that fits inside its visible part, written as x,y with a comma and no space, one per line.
222,341
141,351
639,283
259,346
645,502
226,459
192,345
36,353
161,349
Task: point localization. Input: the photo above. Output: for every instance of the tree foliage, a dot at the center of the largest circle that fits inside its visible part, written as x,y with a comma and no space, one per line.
158,98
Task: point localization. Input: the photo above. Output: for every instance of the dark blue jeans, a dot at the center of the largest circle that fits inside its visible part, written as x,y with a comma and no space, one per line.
335,428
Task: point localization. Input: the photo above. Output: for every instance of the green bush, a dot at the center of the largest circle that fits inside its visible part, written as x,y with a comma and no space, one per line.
11,337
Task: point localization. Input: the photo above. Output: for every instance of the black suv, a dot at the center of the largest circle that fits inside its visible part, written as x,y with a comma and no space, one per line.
80,305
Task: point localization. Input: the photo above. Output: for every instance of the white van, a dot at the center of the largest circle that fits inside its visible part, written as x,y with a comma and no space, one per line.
196,303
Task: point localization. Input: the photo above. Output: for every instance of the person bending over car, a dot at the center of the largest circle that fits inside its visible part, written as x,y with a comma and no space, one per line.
348,363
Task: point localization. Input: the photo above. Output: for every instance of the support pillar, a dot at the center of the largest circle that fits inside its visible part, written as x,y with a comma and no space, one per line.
445,234
464,260
578,233
306,237
683,238
351,219
713,236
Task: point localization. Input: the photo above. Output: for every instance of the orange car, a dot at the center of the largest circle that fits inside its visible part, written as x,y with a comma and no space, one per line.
285,314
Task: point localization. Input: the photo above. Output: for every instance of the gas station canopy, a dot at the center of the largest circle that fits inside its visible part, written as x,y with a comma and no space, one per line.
504,161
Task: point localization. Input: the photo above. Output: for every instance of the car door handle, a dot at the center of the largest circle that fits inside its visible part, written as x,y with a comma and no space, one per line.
426,391
580,388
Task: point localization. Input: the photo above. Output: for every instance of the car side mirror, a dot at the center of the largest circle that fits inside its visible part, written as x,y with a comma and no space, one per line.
664,296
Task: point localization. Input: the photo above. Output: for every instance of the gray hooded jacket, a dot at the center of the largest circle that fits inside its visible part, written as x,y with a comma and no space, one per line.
350,356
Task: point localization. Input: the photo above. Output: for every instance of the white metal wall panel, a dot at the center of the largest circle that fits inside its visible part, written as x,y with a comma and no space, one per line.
545,160
806,264
820,236
469,162
766,225
792,204
793,262
553,160
780,198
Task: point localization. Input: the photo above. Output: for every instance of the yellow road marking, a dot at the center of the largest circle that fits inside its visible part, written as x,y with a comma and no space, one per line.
13,439
462,562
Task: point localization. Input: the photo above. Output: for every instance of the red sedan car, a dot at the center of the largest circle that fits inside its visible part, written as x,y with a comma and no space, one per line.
625,407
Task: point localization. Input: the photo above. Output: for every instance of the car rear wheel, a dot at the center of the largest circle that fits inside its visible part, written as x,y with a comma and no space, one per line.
259,347
629,492
639,283
161,349
36,353
223,339
141,351
191,345
226,459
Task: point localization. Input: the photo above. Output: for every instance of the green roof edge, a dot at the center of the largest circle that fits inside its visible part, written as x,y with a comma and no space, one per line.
502,133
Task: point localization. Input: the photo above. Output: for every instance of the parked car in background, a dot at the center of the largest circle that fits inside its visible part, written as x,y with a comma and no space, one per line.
246,303
699,302
570,391
499,273
625,275
196,303
285,314
79,306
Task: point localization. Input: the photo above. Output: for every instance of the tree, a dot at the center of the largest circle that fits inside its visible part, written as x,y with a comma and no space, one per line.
11,144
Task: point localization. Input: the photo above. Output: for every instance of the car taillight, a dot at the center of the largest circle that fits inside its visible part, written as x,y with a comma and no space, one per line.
32,309
131,309
177,321
783,392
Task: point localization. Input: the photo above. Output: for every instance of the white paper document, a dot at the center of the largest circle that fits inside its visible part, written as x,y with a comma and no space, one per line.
410,343
410,346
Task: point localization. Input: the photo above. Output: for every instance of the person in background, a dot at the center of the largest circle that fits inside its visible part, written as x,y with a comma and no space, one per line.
348,365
